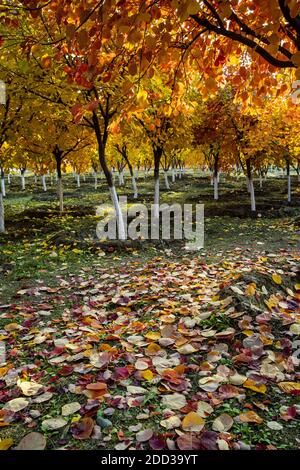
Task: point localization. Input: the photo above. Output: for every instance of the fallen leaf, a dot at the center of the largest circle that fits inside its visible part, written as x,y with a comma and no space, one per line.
223,423
32,441
193,422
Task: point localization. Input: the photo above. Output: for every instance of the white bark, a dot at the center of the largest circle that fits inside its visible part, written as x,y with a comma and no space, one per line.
289,189
78,180
35,179
248,184
216,188
260,181
173,175
84,177
23,184
95,180
60,194
135,190
156,199
3,187
252,195
180,173
2,225
8,178
118,212
44,183
121,178
166,180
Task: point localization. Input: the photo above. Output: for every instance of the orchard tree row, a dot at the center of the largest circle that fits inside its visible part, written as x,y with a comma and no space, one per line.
159,85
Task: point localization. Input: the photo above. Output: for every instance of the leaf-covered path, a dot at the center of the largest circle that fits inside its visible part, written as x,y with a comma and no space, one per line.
166,354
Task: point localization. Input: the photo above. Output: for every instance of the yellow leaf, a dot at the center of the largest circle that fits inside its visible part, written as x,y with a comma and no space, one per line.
289,387
253,386
250,417
153,335
277,278
147,374
297,287
6,444
193,422
250,289
152,349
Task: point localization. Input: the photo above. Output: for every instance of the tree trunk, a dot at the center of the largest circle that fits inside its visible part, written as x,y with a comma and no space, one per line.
60,188
118,212
78,180
101,139
44,183
23,184
156,198
2,225
216,177
158,151
60,191
95,180
288,172
3,184
216,188
166,179
251,185
173,175
135,190
8,178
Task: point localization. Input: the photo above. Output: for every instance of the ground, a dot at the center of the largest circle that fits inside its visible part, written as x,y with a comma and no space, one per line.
151,346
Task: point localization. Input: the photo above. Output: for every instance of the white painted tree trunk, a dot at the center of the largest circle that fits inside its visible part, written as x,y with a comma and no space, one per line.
60,194
8,178
252,195
260,181
95,180
248,184
2,225
121,178
180,173
212,180
289,189
166,180
84,177
44,183
3,187
218,178
156,198
23,183
35,179
135,190
216,188
78,180
118,212
51,180
173,175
